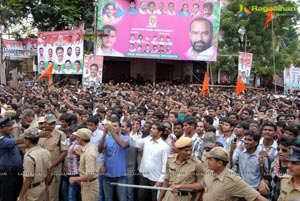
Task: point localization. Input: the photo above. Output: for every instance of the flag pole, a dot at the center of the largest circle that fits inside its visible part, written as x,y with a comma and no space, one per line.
273,50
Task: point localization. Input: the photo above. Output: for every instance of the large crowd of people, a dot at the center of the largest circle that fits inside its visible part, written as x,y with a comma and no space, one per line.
68,143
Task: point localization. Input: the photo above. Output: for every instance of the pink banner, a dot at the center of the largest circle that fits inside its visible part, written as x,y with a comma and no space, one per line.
181,30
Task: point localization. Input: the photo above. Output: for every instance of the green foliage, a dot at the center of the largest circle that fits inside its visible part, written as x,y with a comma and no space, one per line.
48,15
259,40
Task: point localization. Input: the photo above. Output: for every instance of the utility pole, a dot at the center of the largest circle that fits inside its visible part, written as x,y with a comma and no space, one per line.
95,4
274,62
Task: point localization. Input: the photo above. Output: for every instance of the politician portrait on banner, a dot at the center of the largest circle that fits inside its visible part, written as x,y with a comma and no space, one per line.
149,29
291,77
64,48
92,71
245,65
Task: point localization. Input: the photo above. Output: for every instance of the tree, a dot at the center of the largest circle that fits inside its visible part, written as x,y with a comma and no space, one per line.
47,15
259,40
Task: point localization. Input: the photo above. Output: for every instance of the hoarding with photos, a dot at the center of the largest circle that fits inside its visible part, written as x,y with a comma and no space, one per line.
180,30
19,49
64,48
291,78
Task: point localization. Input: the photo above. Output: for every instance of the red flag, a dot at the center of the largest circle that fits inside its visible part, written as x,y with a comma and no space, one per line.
205,84
47,73
240,86
268,18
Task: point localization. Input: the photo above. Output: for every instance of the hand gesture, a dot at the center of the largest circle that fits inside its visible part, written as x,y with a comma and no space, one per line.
175,188
72,180
77,152
102,169
263,187
263,154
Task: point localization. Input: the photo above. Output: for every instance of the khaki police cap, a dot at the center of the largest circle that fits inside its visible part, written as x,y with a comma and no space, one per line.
219,153
50,118
26,113
209,139
31,133
41,120
83,133
183,142
10,113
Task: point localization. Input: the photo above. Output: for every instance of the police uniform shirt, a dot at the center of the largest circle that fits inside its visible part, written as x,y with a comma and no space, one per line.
226,186
55,145
191,171
9,151
17,129
287,191
36,162
88,160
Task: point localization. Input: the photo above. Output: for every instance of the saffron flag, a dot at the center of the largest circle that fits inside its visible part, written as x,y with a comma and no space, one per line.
268,18
47,73
205,84
240,86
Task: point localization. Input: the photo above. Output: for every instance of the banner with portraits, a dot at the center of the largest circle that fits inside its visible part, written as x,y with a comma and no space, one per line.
92,71
64,48
291,78
245,65
165,29
19,49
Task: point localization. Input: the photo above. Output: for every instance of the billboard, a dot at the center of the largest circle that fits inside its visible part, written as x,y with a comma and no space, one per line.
291,77
92,71
180,30
245,65
19,49
64,48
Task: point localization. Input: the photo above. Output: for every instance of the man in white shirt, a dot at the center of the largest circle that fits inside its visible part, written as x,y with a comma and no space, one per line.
108,41
196,11
201,37
151,6
92,123
153,165
77,65
68,69
161,9
171,7
143,8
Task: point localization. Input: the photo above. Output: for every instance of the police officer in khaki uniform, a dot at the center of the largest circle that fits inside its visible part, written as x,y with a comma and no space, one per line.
28,117
209,142
56,144
182,168
221,183
35,168
88,168
290,184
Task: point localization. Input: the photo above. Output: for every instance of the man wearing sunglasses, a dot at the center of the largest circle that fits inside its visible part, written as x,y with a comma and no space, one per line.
290,183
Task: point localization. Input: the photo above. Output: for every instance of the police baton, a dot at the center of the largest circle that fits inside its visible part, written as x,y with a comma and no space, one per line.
149,187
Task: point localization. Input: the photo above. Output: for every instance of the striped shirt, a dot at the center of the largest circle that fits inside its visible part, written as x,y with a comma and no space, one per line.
72,160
